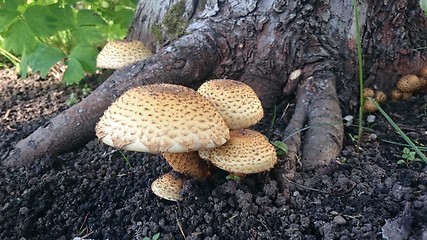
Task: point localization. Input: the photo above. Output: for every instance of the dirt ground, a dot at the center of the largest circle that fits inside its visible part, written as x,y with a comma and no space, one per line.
94,193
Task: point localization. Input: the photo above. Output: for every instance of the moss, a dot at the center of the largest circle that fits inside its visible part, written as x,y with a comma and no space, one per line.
174,20
156,30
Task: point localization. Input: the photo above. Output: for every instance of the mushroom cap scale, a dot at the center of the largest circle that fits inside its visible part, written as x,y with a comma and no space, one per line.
237,102
408,83
162,118
246,152
117,54
168,187
189,164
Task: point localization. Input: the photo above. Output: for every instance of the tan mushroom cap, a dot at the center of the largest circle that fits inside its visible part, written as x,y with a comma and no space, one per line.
408,83
246,152
236,101
117,54
168,187
162,118
189,164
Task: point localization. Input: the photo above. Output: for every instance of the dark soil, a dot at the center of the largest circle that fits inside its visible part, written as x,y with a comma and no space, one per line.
94,193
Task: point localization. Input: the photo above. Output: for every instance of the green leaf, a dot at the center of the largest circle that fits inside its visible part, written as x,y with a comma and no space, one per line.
44,58
86,55
19,38
89,18
90,35
7,17
123,17
401,162
46,21
423,5
281,145
23,67
74,72
156,236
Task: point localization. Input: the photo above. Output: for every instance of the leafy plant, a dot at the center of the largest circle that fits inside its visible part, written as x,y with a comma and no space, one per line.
44,33
281,148
407,157
233,177
154,237
72,100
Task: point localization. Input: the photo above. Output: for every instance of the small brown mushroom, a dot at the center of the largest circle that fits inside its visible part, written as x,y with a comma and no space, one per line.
423,72
380,96
188,164
369,106
237,102
168,187
246,152
408,83
117,54
162,118
396,95
368,92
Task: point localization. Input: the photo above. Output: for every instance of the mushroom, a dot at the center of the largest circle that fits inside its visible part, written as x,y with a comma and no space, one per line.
168,187
396,94
380,96
369,106
236,102
162,118
117,54
368,92
188,164
409,83
246,152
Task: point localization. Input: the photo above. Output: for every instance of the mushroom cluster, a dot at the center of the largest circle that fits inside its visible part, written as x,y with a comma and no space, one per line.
177,121
405,88
379,96
409,85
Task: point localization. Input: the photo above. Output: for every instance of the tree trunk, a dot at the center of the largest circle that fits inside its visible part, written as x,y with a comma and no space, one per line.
259,43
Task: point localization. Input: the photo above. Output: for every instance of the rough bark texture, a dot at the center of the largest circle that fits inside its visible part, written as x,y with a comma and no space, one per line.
259,43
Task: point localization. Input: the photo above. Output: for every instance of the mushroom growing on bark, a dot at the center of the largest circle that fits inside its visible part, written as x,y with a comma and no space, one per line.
237,102
117,54
246,152
162,118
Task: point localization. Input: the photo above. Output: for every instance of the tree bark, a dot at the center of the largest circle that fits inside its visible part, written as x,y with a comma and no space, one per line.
259,43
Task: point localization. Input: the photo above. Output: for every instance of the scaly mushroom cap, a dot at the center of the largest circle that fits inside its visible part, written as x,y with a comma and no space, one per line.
396,94
369,106
117,54
246,152
189,164
236,102
162,118
368,92
408,83
380,96
168,187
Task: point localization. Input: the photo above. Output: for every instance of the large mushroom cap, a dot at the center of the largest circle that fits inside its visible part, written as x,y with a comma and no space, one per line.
117,54
162,118
246,152
189,164
168,187
236,102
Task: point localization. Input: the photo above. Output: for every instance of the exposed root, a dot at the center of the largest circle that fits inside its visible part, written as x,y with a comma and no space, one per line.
286,168
324,138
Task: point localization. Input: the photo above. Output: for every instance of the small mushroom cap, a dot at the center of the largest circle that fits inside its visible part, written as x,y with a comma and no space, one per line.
369,106
396,94
162,118
168,187
236,102
368,92
189,164
246,152
117,54
408,83
380,96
